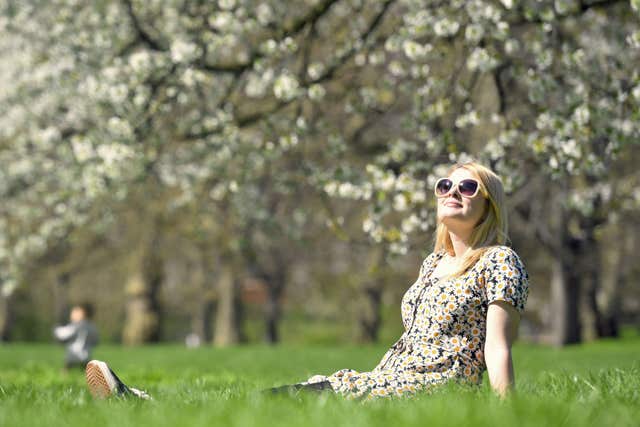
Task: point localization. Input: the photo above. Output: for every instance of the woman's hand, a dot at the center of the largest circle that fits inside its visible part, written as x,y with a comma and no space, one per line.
502,327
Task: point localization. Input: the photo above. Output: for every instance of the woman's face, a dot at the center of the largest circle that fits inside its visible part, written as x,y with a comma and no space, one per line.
457,212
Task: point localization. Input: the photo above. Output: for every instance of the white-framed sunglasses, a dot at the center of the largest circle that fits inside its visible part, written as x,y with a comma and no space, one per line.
467,187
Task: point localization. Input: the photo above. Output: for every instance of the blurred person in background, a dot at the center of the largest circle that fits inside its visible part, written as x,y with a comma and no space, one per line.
80,336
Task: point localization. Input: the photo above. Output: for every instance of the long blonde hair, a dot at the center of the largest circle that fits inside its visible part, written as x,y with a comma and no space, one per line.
493,226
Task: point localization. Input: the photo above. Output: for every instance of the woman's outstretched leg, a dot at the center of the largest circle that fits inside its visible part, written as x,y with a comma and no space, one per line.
104,383
294,388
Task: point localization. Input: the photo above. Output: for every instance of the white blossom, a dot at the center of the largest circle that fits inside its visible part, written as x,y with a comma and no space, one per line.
410,223
264,14
331,188
393,44
269,47
8,287
316,92
119,128
494,149
481,60
418,196
563,7
502,28
474,33
367,225
396,69
633,39
511,46
571,148
315,70
118,93
400,202
286,87
288,141
257,84
226,4
508,4
468,119
112,154
189,77
376,58
387,183
184,51
48,135
446,27
222,21
82,149
581,115
624,126
414,50
398,248
347,189
140,61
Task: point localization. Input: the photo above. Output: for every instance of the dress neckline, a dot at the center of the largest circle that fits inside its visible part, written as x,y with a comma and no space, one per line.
434,264
439,255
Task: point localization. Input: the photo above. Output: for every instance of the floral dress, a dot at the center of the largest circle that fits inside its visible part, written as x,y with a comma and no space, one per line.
445,328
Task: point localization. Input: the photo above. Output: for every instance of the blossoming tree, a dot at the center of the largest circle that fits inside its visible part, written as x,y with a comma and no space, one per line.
190,100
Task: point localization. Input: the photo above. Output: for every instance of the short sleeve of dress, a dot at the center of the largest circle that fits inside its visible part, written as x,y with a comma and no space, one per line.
506,278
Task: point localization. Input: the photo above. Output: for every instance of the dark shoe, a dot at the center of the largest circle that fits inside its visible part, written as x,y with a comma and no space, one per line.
104,383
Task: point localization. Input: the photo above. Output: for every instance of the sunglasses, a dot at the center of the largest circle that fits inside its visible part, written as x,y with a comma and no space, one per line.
467,187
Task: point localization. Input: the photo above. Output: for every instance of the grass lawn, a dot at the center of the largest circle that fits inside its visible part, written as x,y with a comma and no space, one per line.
594,384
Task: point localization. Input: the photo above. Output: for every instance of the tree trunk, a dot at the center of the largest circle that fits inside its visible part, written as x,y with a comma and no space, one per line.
370,318
228,311
566,277
61,298
6,317
202,322
143,314
565,297
273,306
613,268
205,305
589,265
202,319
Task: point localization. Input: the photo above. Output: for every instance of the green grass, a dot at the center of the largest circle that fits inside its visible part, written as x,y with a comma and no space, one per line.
594,384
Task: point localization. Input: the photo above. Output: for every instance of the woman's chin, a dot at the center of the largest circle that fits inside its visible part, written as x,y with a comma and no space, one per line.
451,215
456,220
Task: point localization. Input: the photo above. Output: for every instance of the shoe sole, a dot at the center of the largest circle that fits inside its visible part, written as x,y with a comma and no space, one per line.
99,380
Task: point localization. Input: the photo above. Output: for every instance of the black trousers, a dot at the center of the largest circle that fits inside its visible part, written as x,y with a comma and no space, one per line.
295,388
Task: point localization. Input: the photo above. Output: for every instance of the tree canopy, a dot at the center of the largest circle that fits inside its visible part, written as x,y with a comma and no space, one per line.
240,104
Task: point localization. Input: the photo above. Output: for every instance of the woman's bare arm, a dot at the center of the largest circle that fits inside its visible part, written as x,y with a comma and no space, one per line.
502,327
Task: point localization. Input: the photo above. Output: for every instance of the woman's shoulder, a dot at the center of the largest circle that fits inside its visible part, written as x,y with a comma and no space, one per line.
501,254
432,255
430,258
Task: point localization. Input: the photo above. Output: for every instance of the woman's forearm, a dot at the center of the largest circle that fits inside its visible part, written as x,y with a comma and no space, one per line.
500,369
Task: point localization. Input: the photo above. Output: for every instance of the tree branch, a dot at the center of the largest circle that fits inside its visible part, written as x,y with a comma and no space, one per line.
584,7
329,72
143,35
294,29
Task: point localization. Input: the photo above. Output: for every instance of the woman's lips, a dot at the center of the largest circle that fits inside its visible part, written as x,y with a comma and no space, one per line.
453,204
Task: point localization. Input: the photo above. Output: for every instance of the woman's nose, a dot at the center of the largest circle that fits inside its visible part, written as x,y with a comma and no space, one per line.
456,193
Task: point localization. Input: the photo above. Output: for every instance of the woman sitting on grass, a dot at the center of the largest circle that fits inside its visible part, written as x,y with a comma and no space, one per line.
460,316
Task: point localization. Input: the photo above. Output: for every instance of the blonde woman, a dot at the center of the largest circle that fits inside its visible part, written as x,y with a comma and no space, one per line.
460,316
